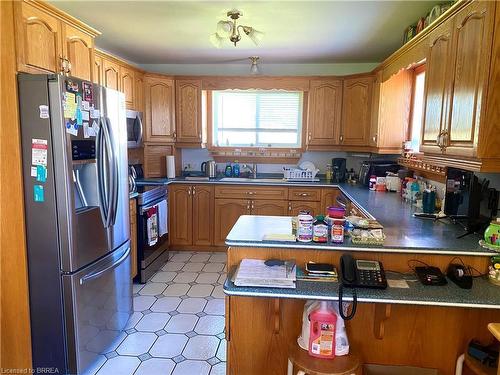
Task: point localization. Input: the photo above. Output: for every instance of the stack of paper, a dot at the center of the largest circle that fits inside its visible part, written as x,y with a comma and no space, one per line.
254,272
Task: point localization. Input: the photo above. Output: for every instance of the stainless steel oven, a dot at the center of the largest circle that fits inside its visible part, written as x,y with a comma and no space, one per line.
152,253
134,129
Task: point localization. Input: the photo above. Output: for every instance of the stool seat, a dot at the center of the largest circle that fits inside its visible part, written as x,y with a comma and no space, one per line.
343,365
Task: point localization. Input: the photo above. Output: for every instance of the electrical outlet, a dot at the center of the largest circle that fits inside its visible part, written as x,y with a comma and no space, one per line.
186,166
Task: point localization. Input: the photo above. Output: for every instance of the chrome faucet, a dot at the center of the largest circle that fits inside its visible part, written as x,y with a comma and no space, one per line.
253,169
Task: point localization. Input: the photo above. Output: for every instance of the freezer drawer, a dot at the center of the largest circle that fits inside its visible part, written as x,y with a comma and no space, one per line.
98,304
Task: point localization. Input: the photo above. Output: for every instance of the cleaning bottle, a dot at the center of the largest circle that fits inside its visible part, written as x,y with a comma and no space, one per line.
322,331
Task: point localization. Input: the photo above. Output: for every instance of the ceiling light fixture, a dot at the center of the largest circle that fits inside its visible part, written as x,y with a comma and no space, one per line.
254,68
229,28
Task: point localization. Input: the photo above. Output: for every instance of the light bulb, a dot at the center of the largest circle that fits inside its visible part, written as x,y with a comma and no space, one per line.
216,40
255,35
224,27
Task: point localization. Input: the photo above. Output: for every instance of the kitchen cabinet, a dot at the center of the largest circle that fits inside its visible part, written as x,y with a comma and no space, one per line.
251,192
325,107
133,236
78,47
190,206
269,207
97,76
155,164
356,111
472,37
329,198
127,86
139,91
188,112
227,212
437,87
159,116
314,208
391,112
111,74
49,41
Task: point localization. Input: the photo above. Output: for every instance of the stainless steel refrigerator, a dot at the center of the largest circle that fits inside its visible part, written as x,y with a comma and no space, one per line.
74,146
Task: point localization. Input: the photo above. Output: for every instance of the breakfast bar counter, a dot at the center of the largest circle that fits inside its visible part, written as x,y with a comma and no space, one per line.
413,325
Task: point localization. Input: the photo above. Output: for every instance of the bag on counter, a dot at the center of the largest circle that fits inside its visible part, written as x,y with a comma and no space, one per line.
341,340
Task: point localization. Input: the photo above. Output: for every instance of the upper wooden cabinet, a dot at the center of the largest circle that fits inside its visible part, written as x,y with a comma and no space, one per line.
437,90
356,111
159,97
97,77
155,164
111,74
325,107
78,47
390,112
472,37
188,111
45,37
139,92
127,86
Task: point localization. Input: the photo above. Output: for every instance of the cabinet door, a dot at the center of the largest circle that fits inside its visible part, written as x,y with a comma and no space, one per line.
159,113
111,74
314,208
356,111
325,106
180,206
139,92
227,212
38,39
97,76
188,111
328,198
269,207
127,85
437,87
133,237
155,164
472,38
78,49
203,215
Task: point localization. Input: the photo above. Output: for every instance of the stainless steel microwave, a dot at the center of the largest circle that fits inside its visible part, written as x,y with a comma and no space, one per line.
134,129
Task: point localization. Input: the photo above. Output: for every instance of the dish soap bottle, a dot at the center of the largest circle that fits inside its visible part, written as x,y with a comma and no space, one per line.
322,331
236,170
229,170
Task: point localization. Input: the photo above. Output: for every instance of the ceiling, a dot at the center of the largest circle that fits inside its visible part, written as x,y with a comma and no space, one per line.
304,32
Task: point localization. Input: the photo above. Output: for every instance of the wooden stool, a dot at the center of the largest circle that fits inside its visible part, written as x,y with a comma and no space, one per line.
301,363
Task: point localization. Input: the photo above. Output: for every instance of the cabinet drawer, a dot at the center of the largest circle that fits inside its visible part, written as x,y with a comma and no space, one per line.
304,194
250,192
294,208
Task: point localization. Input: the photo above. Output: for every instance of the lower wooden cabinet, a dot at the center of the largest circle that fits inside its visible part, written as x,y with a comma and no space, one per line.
329,198
227,212
269,208
191,210
313,207
133,237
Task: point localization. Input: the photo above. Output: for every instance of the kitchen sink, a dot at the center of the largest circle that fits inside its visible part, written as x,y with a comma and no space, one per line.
243,179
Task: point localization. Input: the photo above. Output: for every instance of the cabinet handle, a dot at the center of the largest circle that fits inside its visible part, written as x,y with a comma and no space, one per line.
309,136
250,192
303,194
446,139
289,206
194,190
189,190
374,138
341,138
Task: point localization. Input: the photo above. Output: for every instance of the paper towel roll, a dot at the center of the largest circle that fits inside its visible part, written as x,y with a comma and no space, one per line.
170,166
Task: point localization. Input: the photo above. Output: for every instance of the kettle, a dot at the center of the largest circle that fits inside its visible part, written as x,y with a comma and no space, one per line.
209,167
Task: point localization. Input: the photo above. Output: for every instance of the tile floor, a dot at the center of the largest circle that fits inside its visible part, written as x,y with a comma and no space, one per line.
177,326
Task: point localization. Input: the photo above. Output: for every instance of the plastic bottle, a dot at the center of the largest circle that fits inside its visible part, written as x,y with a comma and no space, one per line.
372,185
236,170
322,331
229,170
320,229
329,173
305,227
337,231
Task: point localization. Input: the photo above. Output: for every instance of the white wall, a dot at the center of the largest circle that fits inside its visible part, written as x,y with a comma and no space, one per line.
266,69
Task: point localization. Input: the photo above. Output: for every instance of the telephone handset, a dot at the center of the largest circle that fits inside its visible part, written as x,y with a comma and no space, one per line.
359,274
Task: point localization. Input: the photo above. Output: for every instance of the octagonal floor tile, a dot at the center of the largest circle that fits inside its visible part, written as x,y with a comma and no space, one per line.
201,347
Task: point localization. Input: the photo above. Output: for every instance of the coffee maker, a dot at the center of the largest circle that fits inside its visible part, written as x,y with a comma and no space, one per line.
339,169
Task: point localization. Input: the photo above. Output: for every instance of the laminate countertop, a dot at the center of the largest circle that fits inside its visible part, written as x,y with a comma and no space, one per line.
404,233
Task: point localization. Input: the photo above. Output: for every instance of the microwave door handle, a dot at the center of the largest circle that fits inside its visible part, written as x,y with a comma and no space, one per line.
115,179
100,174
96,274
138,122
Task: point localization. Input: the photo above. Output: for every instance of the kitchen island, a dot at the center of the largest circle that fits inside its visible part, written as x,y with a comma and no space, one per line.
424,326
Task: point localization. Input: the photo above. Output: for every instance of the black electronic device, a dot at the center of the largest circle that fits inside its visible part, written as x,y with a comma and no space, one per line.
320,267
359,274
460,275
378,168
339,169
429,275
463,194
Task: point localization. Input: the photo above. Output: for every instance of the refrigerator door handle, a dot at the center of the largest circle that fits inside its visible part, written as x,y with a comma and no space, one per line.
100,174
96,274
113,204
111,163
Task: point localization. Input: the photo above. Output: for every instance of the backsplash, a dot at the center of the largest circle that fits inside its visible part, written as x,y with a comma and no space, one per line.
192,158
